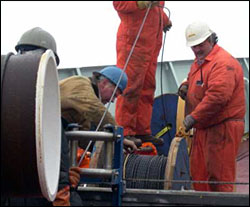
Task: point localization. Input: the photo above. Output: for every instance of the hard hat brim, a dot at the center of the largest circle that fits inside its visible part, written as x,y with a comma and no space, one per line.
19,46
96,74
197,42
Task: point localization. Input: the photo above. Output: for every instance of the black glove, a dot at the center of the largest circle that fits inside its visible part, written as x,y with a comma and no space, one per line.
182,91
168,27
189,122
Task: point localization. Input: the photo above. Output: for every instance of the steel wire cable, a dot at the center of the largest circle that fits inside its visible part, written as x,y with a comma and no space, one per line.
154,172
123,71
130,162
163,162
163,169
242,156
141,169
142,173
148,172
135,170
161,82
189,181
163,46
130,172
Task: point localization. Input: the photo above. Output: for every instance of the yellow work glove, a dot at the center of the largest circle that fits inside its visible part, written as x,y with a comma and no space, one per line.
74,176
145,4
62,197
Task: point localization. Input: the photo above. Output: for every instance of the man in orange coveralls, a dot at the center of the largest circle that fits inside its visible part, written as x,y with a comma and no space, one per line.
134,107
214,94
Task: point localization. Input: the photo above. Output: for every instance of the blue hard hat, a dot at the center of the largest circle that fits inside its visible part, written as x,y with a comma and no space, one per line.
113,73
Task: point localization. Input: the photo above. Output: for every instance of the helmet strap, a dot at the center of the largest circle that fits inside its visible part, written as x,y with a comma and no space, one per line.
99,93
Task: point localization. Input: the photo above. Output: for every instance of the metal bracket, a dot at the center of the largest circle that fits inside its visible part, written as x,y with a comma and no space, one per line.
112,174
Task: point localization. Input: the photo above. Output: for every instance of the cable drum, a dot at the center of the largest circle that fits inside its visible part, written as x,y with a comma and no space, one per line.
157,172
30,126
144,167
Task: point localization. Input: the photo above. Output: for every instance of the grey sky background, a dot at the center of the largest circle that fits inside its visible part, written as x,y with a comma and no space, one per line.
85,31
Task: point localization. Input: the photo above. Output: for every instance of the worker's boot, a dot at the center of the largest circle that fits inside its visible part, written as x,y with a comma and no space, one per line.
137,141
150,138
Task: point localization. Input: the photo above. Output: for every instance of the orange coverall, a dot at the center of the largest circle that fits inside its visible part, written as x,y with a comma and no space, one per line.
85,162
134,107
218,106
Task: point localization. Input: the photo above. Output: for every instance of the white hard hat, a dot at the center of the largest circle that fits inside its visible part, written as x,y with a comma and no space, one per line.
196,33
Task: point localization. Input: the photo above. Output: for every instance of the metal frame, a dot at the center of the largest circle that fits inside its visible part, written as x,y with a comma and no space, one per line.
112,174
146,197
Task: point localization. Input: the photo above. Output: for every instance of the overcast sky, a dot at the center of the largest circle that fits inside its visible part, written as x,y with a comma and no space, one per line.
85,31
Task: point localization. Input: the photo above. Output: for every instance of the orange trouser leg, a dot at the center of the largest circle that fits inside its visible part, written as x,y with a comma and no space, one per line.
223,143
197,161
127,105
213,155
145,104
134,107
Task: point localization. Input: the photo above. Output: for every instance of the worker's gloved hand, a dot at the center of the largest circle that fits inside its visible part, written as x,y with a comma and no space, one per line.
74,176
189,122
62,197
168,27
129,146
146,4
182,91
